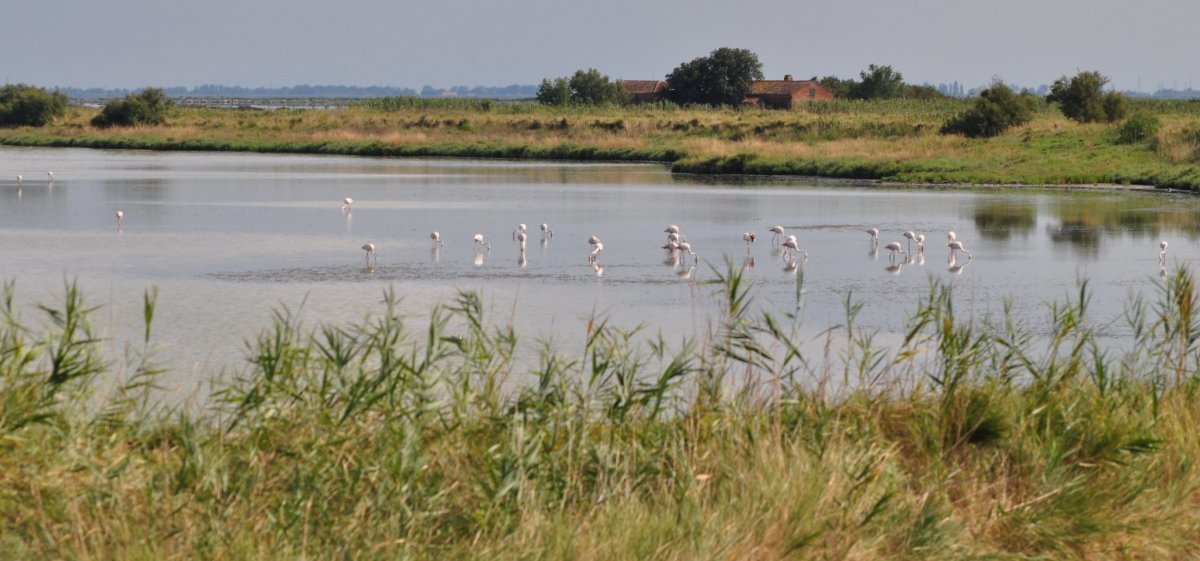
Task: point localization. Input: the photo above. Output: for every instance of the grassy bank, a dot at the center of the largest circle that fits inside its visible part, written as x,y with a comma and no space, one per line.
385,440
892,140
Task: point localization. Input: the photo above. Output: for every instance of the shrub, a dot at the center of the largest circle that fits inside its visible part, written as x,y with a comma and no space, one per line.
148,107
879,82
24,105
585,87
1139,127
995,111
1082,98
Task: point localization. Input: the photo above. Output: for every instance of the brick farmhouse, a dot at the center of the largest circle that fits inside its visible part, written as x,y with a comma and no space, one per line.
781,94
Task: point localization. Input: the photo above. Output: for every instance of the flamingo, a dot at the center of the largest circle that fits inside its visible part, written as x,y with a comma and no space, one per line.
520,230
748,237
895,248
955,268
951,235
911,236
370,249
921,243
347,204
672,238
672,229
50,174
956,246
594,256
436,237
547,232
1162,254
521,237
685,246
778,231
593,240
874,233
479,243
120,219
790,245
20,181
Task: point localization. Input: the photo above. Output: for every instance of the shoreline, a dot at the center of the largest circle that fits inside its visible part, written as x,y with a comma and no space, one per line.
713,175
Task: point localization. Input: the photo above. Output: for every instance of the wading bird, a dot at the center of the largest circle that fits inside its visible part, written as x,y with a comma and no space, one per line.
547,232
521,237
792,247
874,233
672,229
951,235
436,237
480,244
895,248
120,219
370,249
778,233
593,240
20,181
50,174
920,243
347,204
594,256
520,230
685,246
1162,254
748,237
956,246
911,235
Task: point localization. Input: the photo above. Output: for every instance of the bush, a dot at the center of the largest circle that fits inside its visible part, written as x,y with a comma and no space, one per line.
148,107
1139,127
879,82
995,111
585,87
1082,98
24,105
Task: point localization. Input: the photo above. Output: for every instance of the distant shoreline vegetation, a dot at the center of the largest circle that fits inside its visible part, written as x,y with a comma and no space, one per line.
996,139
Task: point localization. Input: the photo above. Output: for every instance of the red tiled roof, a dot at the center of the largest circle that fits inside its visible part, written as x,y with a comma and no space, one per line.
644,86
780,87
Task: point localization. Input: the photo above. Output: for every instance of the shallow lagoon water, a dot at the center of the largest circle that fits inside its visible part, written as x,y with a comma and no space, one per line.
228,238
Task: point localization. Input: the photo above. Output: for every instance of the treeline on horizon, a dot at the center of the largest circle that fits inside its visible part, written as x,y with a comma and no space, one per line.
513,91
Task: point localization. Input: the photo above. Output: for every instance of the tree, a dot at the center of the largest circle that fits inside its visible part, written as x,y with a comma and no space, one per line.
838,87
879,82
585,87
724,77
148,107
24,105
1082,98
995,111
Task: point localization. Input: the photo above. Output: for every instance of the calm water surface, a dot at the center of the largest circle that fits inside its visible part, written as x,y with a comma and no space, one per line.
227,238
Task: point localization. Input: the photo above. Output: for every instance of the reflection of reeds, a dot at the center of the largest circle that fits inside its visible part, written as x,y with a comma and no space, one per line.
381,440
893,140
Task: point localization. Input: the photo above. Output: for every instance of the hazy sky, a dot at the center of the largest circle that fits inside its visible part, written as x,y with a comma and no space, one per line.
410,43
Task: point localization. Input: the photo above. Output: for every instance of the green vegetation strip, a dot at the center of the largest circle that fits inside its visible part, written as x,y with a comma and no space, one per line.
382,440
896,140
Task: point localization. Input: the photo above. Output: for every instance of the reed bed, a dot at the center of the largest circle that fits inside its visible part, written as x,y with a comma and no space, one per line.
394,439
882,140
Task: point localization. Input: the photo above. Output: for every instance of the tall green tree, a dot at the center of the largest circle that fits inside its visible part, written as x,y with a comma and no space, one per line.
25,105
1082,98
585,87
724,77
879,82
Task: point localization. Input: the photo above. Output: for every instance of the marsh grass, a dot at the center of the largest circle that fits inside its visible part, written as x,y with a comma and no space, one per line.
387,439
883,140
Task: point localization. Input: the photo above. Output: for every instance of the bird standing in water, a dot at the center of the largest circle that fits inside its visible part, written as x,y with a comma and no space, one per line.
370,249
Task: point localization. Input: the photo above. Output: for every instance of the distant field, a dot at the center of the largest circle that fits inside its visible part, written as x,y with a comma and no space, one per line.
892,140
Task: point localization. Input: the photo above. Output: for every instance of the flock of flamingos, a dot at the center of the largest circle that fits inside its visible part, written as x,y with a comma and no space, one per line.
677,244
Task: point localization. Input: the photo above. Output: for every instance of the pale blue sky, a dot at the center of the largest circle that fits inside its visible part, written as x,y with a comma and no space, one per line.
410,43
